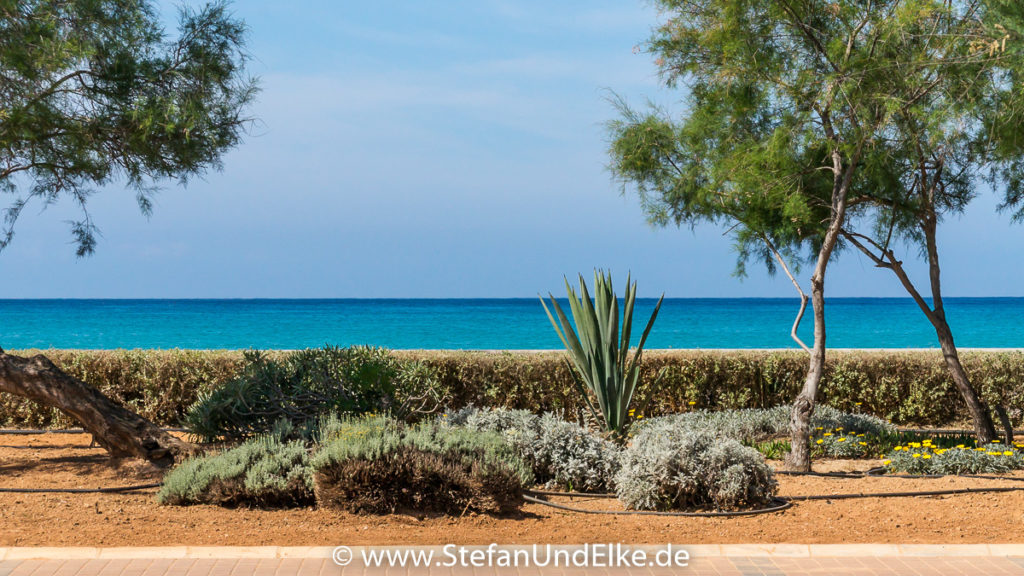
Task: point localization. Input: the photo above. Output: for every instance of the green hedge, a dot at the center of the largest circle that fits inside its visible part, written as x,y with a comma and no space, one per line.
909,387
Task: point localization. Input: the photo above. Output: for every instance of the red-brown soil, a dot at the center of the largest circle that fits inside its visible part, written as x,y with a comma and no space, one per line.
66,460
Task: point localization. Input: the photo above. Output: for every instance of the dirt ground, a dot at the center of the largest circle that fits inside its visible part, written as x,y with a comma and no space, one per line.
67,461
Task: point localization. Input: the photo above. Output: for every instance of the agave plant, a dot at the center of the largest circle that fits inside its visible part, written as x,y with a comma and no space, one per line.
599,354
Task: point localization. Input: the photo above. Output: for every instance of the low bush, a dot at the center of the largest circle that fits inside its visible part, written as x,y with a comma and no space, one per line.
268,470
562,454
304,386
376,465
673,467
926,458
754,425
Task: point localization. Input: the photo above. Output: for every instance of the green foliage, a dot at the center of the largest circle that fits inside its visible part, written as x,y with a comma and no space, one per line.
267,470
561,454
841,442
159,385
669,467
771,449
96,91
599,354
377,465
915,103
907,388
305,386
925,457
754,425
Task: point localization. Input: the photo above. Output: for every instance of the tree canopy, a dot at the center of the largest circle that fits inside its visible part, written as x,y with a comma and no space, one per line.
813,122
776,88
95,91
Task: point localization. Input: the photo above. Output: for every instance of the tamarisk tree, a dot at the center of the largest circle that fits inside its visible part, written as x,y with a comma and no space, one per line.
95,93
787,133
957,110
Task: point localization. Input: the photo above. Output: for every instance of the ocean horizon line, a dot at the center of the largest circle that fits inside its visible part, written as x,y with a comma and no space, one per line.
464,298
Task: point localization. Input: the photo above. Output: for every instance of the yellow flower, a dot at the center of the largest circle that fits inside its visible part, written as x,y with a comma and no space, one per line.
857,403
917,455
1008,453
914,444
926,456
842,440
692,403
820,441
886,462
959,445
827,434
862,443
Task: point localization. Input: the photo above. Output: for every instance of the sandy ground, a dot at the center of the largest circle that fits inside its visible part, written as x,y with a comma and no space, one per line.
62,460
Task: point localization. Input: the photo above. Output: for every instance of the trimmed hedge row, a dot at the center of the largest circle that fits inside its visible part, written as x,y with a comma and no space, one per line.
910,387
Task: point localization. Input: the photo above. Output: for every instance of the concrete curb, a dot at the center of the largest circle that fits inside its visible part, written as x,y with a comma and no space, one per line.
695,551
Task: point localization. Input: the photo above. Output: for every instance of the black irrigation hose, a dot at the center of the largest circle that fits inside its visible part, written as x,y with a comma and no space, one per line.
114,490
824,474
34,431
571,494
778,504
905,494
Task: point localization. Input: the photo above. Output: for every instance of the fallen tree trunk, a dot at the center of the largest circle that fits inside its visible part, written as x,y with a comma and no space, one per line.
120,431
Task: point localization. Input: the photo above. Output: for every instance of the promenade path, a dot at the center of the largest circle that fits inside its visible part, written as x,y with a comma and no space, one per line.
725,560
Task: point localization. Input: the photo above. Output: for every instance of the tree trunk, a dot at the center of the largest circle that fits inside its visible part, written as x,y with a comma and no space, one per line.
119,430
980,414
799,457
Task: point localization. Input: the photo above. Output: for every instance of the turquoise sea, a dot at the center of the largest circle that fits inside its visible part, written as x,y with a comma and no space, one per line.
483,324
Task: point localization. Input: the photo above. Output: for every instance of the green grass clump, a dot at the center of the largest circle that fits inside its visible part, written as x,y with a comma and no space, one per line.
268,470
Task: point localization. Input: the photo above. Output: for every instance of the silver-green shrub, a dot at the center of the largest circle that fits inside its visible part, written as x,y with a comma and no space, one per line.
373,464
672,467
757,424
265,471
562,454
924,458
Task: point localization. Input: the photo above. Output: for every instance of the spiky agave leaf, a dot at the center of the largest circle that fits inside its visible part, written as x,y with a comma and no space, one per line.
597,350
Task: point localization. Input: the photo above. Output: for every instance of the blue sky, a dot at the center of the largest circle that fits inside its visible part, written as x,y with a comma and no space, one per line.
450,149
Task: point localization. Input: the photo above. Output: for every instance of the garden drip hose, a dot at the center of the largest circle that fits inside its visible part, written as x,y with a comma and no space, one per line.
905,494
34,431
572,494
825,475
778,505
114,490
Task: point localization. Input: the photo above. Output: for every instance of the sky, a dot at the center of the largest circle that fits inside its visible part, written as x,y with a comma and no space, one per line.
455,149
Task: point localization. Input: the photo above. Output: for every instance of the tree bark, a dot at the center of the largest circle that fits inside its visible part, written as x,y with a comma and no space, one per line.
799,457
119,430
984,428
980,414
